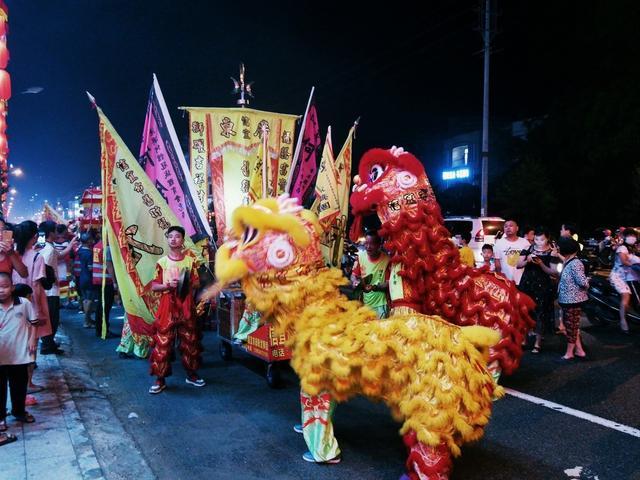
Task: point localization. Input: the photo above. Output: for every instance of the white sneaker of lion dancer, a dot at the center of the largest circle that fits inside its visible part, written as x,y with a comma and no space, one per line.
195,381
308,457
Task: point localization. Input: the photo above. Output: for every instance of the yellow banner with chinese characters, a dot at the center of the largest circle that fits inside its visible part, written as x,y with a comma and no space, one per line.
327,202
137,218
332,198
198,155
343,168
257,177
232,138
51,214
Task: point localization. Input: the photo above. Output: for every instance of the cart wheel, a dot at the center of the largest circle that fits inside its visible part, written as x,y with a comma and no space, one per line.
226,352
273,375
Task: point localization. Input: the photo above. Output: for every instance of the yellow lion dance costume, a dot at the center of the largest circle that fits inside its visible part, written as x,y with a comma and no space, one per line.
430,373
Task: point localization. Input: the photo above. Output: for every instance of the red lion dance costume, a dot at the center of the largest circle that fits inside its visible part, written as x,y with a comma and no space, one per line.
427,275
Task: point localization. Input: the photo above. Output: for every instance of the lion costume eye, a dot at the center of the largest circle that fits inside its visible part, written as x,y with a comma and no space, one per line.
280,253
249,235
376,172
406,179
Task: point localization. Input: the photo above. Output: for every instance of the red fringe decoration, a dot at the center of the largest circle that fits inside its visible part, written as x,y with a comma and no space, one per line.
425,462
446,287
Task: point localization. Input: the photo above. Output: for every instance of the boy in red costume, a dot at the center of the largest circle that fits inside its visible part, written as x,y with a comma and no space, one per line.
176,280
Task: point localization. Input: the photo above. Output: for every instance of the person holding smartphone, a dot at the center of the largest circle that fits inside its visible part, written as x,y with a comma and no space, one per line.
9,260
538,281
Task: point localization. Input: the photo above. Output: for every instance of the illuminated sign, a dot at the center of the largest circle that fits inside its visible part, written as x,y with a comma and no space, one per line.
456,174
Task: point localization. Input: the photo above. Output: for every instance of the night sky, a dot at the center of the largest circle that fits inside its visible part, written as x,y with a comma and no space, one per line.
414,78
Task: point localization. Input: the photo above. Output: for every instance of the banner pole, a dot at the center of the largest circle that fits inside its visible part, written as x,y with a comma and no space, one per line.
265,159
105,243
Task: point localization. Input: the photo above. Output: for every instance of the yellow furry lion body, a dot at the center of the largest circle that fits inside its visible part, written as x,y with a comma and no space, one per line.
430,373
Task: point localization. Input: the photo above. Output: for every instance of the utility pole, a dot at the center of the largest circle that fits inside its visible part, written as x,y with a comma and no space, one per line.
486,34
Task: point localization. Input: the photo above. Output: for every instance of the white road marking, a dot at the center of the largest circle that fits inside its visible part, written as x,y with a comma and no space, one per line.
576,413
577,473
573,472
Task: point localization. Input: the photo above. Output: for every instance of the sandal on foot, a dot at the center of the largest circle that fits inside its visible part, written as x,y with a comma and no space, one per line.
26,418
565,360
536,349
35,388
3,426
6,438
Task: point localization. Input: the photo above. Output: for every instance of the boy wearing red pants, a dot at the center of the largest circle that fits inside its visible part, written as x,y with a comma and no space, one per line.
176,280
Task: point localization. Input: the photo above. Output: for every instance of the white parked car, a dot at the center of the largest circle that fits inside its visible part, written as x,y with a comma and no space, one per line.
483,230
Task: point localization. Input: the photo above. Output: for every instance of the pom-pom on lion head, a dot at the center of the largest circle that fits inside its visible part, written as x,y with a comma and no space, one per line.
269,240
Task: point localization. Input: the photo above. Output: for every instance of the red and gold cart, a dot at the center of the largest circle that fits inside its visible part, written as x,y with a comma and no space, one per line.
264,343
91,209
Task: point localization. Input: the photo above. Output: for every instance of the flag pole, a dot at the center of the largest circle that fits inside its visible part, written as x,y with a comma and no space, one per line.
265,158
356,124
105,243
299,143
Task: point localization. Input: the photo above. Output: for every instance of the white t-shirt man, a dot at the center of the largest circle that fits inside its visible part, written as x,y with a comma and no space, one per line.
62,264
50,255
508,252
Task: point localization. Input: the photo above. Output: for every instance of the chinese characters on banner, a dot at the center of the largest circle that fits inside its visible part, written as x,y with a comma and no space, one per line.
163,161
229,138
332,198
305,171
136,218
199,155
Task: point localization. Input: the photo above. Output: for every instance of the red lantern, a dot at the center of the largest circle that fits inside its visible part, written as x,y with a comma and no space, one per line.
3,27
5,85
4,144
4,55
3,124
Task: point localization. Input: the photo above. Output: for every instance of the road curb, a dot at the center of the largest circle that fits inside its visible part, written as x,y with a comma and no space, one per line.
80,440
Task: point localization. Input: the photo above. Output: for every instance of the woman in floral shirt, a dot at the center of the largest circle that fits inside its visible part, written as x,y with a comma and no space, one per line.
572,293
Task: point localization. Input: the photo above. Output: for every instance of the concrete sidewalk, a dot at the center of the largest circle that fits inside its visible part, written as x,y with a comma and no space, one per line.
56,446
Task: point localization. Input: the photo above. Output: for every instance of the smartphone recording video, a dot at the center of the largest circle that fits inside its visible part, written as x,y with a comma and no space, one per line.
7,236
41,239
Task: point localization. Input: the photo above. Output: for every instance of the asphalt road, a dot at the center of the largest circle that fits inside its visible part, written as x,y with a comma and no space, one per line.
237,427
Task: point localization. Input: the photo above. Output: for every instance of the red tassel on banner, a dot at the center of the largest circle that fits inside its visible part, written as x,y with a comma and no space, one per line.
5,85
4,55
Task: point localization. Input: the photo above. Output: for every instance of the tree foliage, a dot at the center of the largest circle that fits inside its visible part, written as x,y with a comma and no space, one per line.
582,162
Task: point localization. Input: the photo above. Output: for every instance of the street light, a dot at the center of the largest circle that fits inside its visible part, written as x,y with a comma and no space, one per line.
16,171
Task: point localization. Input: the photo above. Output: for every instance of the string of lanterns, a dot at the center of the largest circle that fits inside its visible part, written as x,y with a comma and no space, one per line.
5,95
